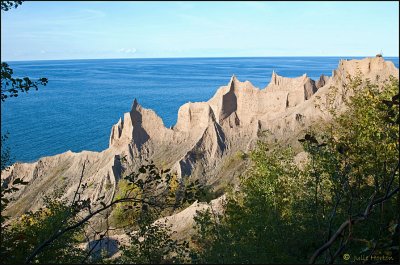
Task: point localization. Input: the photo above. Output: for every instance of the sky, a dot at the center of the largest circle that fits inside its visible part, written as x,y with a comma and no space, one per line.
98,30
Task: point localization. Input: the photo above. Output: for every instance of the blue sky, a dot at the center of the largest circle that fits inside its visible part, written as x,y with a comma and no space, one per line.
84,30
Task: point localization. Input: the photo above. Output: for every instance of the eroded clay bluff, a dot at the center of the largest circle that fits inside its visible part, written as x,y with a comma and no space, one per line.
206,140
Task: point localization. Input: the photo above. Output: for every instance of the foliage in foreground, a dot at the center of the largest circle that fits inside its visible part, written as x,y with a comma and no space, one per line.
54,233
342,200
11,86
32,228
152,244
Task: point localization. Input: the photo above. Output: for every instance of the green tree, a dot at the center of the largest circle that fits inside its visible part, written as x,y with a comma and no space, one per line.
49,235
57,226
341,199
356,174
23,235
151,243
259,216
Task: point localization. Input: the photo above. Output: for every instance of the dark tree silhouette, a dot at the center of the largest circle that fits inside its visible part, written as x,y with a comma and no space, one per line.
7,5
10,86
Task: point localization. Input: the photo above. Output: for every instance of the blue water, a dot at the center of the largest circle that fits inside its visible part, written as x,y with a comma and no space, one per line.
84,98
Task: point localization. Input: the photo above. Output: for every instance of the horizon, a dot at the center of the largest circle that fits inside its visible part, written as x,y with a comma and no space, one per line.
79,30
199,132
211,57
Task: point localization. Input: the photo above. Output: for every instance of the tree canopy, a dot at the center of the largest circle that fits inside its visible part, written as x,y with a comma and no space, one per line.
336,205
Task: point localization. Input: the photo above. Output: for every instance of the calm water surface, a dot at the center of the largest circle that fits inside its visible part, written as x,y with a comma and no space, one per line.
84,98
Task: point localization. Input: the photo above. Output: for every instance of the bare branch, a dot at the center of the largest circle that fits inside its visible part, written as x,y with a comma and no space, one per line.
84,220
97,241
340,249
351,221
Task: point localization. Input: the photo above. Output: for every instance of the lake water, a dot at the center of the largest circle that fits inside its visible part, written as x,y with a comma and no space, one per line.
84,98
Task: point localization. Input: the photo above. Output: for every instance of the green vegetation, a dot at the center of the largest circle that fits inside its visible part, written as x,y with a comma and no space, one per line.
152,244
342,200
53,233
31,229
125,214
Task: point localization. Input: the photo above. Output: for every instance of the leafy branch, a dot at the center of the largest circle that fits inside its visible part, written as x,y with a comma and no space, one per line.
357,219
150,189
8,5
10,86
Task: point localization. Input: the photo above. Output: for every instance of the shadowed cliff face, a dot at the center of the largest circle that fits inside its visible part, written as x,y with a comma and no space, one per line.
205,139
228,102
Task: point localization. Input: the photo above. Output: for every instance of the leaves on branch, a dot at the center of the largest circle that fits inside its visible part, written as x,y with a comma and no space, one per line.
10,86
7,5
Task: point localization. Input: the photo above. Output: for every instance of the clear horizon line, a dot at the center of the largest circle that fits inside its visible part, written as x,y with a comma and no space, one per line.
210,57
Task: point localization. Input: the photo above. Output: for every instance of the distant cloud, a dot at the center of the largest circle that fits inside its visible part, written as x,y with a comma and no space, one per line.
127,50
42,51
